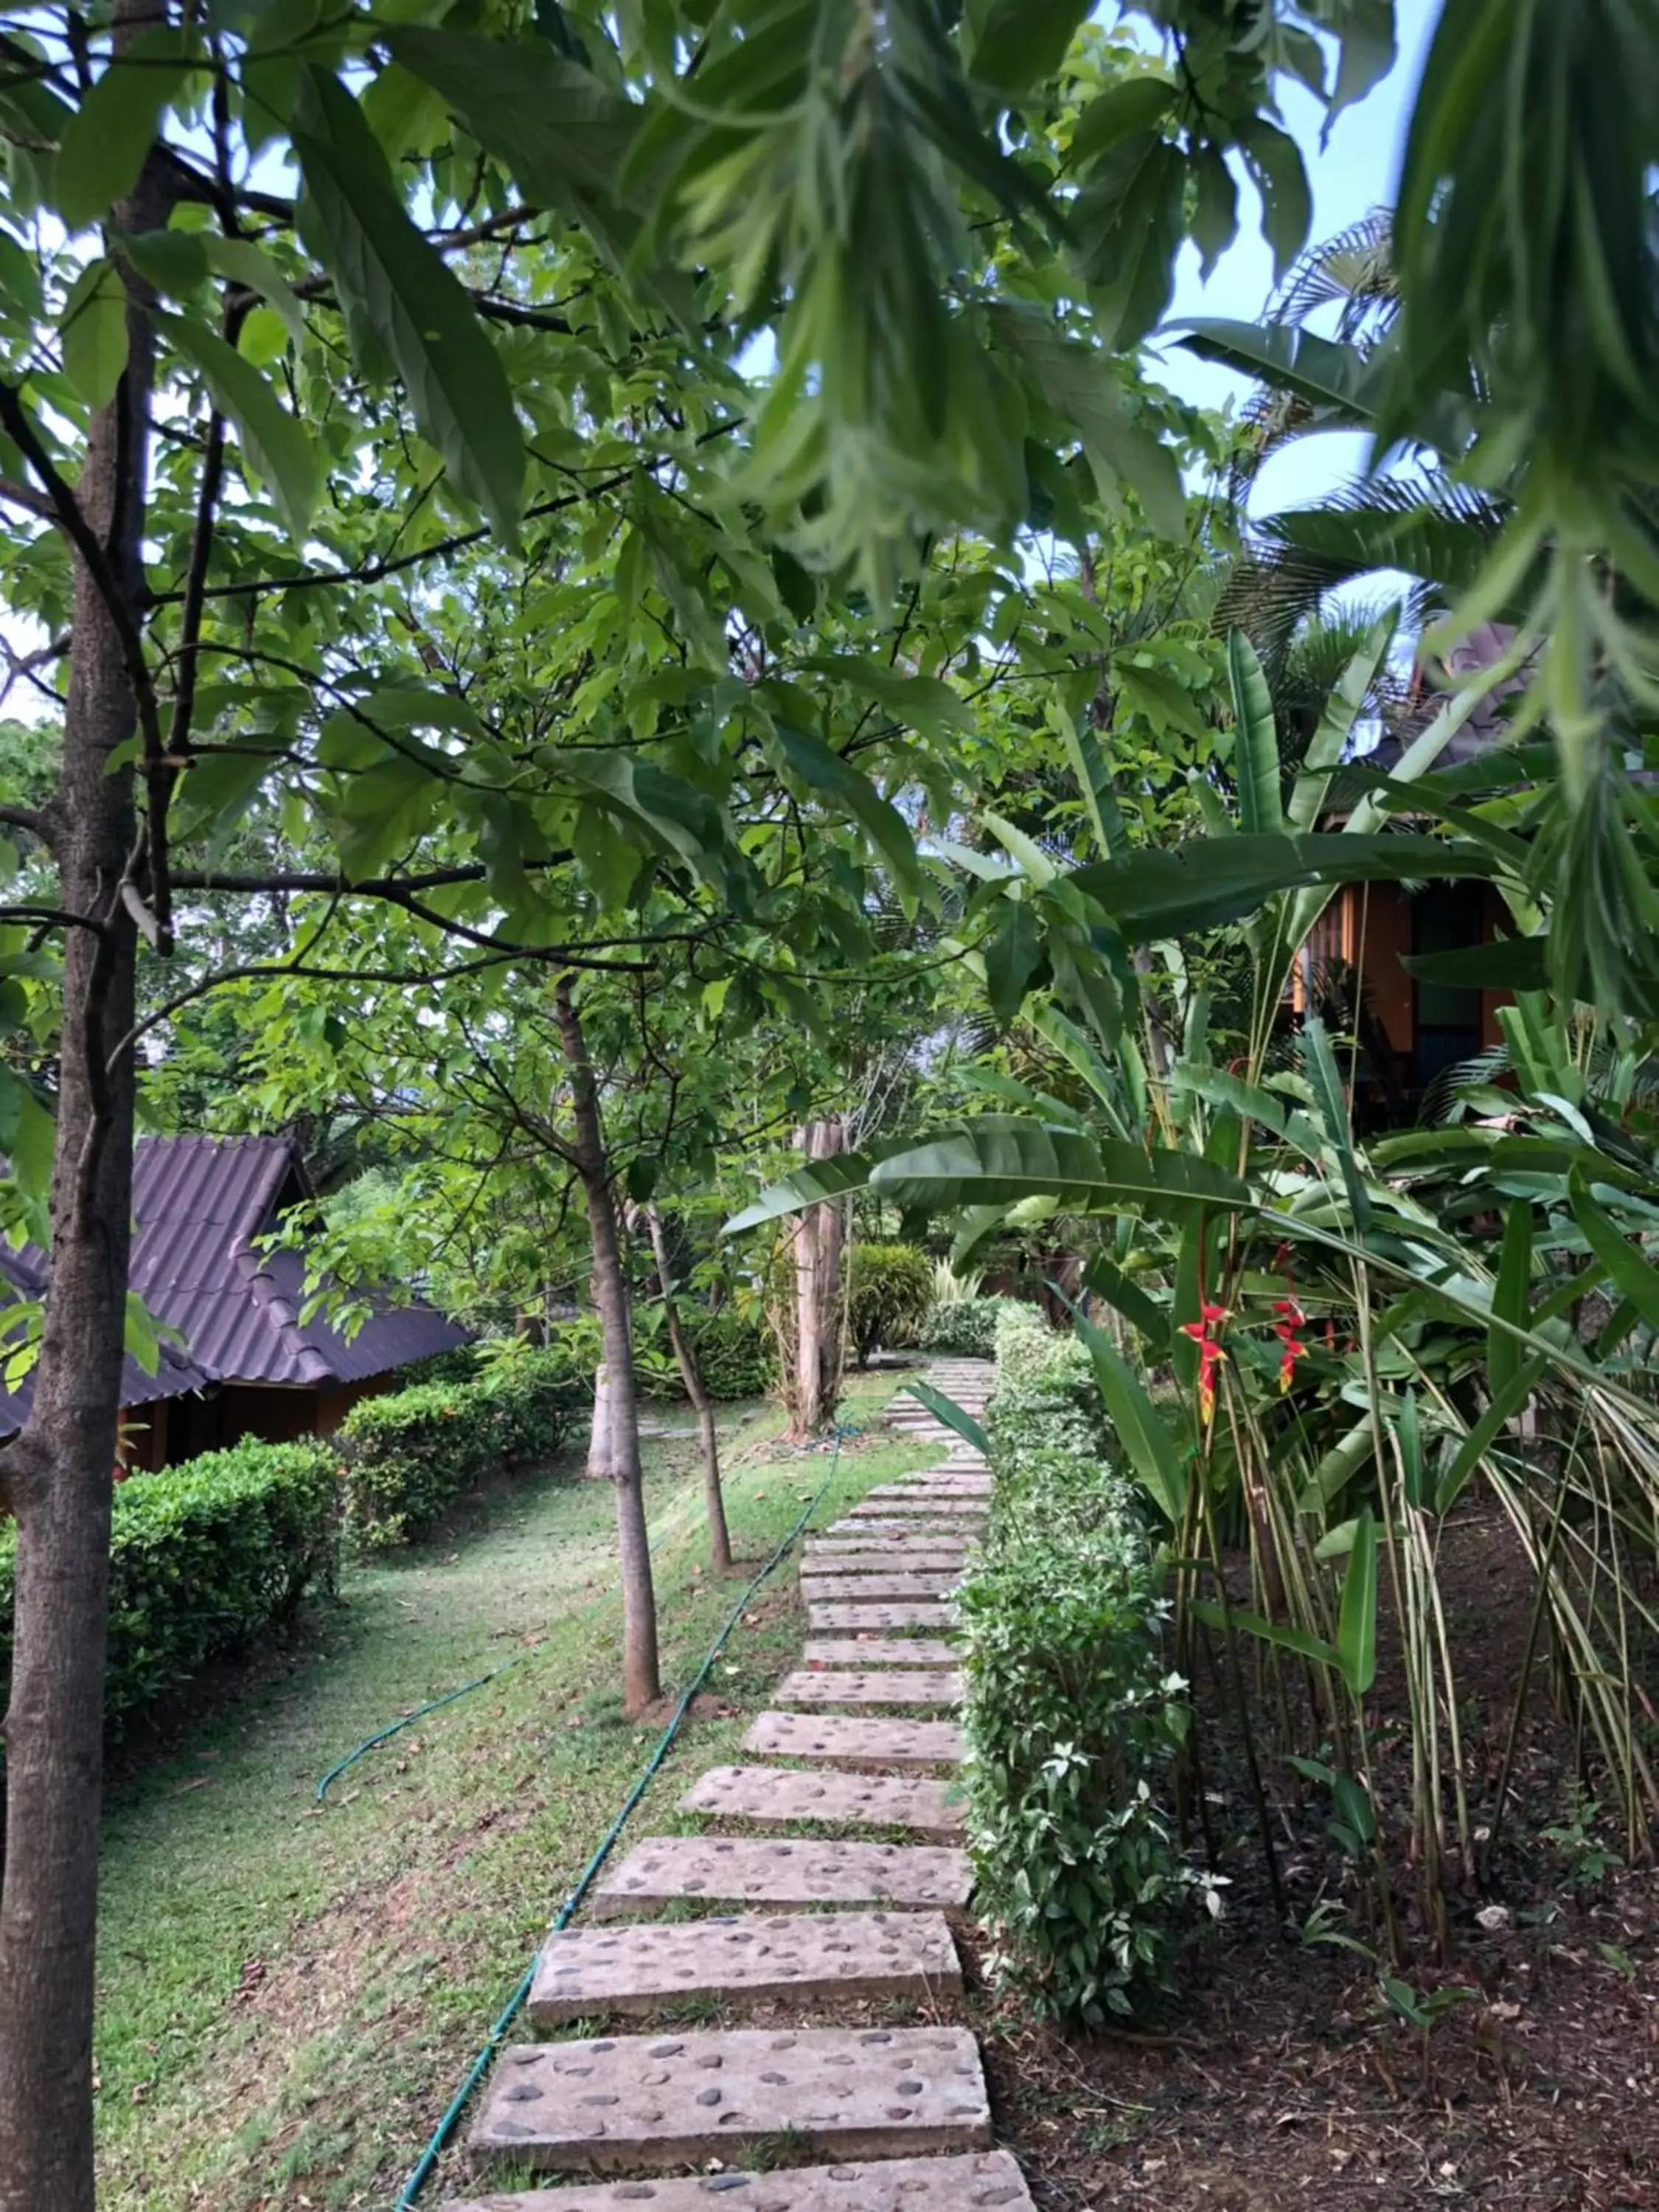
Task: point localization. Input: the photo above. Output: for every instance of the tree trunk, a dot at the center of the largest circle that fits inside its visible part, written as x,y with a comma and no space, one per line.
819,1235
59,1476
642,1683
714,1497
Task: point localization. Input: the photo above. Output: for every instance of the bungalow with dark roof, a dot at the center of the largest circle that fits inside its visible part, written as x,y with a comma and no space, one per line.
247,1365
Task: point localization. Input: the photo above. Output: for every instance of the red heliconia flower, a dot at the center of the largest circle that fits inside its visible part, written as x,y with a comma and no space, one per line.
1210,1355
1291,1320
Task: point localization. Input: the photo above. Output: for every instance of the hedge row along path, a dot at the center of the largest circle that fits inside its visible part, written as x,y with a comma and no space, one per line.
901,2113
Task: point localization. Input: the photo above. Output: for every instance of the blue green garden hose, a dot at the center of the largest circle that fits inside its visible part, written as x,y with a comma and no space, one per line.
566,1912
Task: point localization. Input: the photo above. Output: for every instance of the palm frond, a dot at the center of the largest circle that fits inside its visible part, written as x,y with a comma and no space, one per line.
1445,1097
1356,268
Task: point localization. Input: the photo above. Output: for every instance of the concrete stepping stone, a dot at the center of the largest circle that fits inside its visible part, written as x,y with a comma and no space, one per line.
912,1555
887,1530
882,1651
768,1870
878,1508
779,1793
882,1614
659,2102
855,1740
988,2183
590,1973
884,1685
824,1589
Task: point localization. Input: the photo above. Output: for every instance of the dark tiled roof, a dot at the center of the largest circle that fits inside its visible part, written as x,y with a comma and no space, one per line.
199,1205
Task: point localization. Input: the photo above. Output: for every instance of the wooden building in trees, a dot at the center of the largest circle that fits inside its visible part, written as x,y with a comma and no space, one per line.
245,1363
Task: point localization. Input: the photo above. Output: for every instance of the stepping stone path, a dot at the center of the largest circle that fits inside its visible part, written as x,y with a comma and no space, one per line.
777,1794
880,1651
893,2120
916,2185
584,1972
822,1589
807,1870
853,1739
893,1686
902,1612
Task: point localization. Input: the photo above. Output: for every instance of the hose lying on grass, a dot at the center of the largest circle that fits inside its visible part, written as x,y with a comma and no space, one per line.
567,1910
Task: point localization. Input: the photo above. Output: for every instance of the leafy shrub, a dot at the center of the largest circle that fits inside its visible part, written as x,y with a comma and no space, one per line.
1047,1401
409,1456
1071,1716
735,1352
891,1288
205,1559
965,1328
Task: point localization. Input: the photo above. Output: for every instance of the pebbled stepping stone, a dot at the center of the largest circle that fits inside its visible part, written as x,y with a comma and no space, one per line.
675,2100
779,1793
766,1870
882,1651
889,1686
881,1614
968,1482
912,1555
991,2182
879,1506
886,1531
855,1740
824,1589
587,1973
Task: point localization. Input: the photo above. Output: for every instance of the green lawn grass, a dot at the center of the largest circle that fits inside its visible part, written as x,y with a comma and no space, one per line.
289,1993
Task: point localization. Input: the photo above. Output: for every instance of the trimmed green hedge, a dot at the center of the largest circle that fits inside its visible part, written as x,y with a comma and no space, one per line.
967,1327
1071,1715
205,1559
405,1458
892,1286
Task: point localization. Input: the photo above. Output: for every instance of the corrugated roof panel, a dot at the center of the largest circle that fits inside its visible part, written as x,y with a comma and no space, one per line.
199,1203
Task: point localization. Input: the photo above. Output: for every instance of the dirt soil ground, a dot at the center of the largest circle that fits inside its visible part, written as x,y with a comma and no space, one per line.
1284,2077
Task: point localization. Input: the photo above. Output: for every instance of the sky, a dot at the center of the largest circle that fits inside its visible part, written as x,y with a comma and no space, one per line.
1357,172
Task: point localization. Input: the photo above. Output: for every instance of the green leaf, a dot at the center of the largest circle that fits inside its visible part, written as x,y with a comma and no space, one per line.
1129,110
1511,1297
673,815
104,144
1140,1312
1510,963
922,702
1255,741
1128,218
1210,881
1027,855
1479,1440
826,774
1094,778
947,1410
1152,1453
1366,31
250,266
27,1134
1021,42
999,1158
1329,742
564,134
1012,956
1356,1627
273,443
397,293
94,324
1215,213
1078,382
1332,1101
1281,177
175,261
1632,1276
1300,1640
